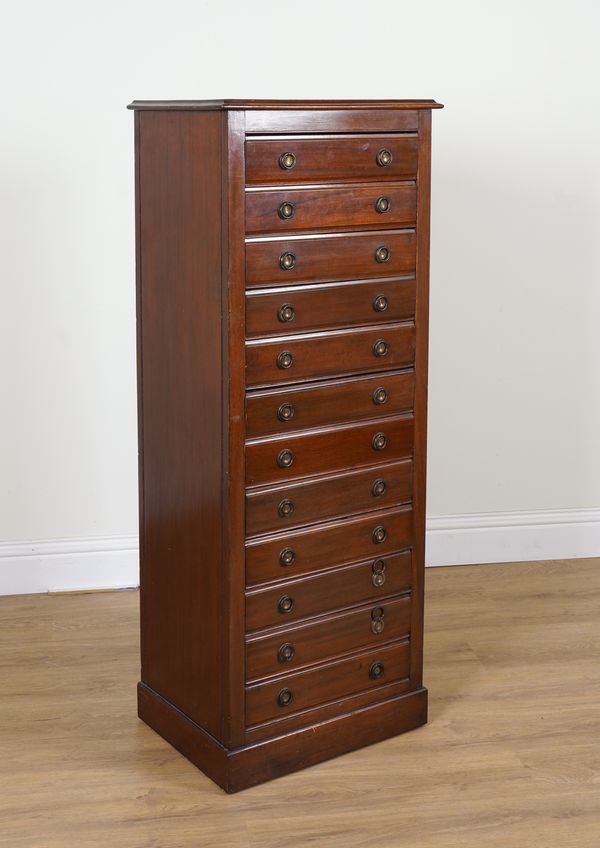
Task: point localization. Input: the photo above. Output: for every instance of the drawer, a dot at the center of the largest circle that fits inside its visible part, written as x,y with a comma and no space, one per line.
283,458
331,256
289,408
303,644
339,679
299,308
305,501
329,544
306,159
288,359
333,589
332,207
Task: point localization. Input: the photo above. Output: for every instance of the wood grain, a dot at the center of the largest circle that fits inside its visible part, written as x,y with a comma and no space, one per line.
510,756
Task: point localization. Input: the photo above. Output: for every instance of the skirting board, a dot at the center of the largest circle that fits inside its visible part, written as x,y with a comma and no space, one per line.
112,562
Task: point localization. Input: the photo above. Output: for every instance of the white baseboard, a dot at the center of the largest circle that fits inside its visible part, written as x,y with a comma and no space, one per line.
513,536
65,565
112,562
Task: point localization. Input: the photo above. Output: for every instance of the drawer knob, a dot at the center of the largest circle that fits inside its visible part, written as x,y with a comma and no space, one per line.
286,313
285,458
382,254
377,620
384,157
378,442
285,412
285,508
378,488
380,348
285,698
376,671
287,161
287,652
380,395
379,535
286,604
286,359
378,573
286,210
287,556
287,261
380,303
382,204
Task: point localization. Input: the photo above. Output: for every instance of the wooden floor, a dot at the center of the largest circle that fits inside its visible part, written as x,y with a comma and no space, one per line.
510,758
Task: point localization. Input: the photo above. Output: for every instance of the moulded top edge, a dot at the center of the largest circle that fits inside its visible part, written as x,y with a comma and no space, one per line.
194,105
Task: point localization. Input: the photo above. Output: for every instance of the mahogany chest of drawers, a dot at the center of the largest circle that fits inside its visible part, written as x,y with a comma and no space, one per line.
282,291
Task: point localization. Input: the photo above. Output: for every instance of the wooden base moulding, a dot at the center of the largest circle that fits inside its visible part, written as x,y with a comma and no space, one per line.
239,768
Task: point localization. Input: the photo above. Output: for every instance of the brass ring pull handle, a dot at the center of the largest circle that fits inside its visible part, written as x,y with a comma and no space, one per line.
379,535
384,157
287,261
380,303
286,313
377,620
378,573
287,652
287,161
376,671
380,348
285,458
286,604
379,442
379,487
285,359
286,210
285,412
382,254
285,697
380,395
382,204
287,556
285,508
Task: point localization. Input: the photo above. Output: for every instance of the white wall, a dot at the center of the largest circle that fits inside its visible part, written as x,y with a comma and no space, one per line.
515,348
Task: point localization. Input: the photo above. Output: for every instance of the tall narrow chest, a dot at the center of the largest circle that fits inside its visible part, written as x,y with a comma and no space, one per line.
282,291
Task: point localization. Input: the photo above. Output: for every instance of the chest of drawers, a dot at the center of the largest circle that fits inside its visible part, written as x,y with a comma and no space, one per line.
282,297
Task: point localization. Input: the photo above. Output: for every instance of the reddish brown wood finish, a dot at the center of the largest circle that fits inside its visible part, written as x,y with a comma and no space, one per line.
333,207
330,256
344,726
329,305
179,178
303,502
326,683
326,451
328,544
328,353
336,588
326,637
327,402
329,159
209,289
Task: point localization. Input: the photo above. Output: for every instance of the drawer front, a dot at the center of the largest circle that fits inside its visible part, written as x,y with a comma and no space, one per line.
302,308
286,261
289,209
283,458
321,404
306,501
333,589
303,644
326,545
306,159
305,356
341,678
